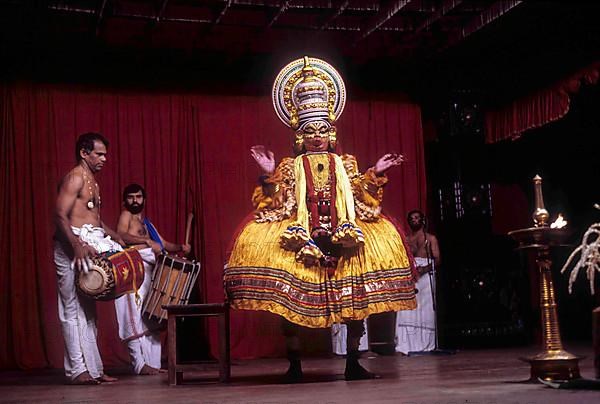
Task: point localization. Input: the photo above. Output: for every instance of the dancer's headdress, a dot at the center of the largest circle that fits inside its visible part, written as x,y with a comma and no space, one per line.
308,90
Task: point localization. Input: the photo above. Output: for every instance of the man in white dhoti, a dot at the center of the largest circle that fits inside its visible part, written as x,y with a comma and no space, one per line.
339,339
80,234
142,338
415,329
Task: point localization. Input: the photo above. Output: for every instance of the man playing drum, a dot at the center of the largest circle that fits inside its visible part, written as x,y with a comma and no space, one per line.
80,234
143,340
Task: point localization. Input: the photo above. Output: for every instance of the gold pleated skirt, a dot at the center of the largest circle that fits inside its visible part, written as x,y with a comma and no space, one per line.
374,278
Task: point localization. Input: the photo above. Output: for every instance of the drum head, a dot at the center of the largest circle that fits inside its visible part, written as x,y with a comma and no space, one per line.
94,282
176,262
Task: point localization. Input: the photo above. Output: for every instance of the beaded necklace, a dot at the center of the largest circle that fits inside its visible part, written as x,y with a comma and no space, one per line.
88,183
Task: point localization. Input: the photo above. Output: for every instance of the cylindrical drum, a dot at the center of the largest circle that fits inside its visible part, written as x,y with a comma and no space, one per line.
111,275
172,282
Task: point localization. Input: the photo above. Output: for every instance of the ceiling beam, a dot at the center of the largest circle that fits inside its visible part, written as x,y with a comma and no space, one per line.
284,6
410,38
223,12
99,16
382,17
72,10
343,6
131,16
486,17
161,11
157,18
446,7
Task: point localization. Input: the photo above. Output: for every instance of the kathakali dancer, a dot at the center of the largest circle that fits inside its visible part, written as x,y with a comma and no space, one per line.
318,251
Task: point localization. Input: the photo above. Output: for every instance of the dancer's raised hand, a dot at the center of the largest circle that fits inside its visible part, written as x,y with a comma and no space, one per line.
388,161
265,158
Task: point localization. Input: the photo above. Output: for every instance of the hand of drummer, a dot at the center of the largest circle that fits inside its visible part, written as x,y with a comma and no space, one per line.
186,248
81,260
120,241
154,245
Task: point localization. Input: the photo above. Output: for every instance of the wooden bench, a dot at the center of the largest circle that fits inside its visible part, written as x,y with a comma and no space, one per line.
175,311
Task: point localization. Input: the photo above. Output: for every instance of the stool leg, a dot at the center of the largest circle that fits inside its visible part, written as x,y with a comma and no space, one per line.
172,343
225,368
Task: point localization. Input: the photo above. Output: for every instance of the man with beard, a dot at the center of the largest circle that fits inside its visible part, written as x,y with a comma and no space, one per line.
415,329
143,340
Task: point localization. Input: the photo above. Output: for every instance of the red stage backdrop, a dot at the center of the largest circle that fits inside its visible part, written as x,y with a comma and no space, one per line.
191,152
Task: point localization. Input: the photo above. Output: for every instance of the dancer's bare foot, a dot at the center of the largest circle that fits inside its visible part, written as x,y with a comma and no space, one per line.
148,371
161,370
106,379
84,379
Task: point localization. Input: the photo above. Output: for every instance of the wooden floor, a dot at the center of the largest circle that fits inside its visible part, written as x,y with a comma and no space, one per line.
492,376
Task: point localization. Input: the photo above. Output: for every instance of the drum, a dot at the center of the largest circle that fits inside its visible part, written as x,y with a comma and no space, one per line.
111,275
172,282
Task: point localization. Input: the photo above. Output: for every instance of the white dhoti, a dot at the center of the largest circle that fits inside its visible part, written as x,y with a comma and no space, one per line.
339,338
415,329
143,343
78,315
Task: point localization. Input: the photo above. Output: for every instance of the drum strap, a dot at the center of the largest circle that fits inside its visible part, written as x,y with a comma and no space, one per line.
153,233
135,280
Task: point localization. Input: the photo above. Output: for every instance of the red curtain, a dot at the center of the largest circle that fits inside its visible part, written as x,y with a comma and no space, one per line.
191,152
537,109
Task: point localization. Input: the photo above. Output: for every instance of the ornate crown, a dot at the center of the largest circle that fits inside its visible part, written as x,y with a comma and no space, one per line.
306,90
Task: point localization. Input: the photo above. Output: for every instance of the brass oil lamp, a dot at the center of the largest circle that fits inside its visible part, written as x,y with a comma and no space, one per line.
553,362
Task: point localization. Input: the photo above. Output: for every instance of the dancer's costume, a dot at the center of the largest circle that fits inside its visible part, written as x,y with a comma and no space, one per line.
318,250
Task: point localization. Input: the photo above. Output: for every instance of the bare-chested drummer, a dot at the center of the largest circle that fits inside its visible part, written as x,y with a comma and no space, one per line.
142,338
80,234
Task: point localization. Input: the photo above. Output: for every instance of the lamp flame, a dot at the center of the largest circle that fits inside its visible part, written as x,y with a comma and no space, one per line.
559,223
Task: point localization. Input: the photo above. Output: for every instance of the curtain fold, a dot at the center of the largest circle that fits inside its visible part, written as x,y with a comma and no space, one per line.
537,109
191,153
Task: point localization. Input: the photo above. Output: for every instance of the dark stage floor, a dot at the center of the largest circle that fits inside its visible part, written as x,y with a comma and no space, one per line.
491,376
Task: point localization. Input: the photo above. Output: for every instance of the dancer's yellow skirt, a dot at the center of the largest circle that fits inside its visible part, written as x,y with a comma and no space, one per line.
373,278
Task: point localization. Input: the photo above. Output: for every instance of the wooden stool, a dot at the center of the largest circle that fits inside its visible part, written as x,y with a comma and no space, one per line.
174,311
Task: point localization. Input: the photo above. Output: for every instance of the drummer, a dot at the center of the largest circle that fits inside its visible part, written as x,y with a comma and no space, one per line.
142,338
80,234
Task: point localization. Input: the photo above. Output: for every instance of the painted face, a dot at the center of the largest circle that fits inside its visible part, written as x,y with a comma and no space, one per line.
316,136
96,158
134,202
